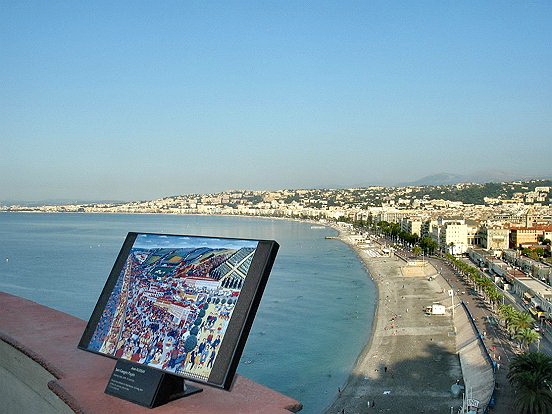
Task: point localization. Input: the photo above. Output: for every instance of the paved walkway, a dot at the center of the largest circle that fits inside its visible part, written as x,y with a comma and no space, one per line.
545,344
496,339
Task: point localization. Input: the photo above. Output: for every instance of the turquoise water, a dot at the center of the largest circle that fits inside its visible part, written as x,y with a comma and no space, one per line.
313,320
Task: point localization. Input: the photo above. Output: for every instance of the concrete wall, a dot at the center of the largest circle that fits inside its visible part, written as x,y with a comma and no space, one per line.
41,368
24,385
476,367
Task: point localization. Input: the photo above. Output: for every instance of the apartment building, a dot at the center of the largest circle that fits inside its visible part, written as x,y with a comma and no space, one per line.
392,215
495,237
451,234
412,225
524,236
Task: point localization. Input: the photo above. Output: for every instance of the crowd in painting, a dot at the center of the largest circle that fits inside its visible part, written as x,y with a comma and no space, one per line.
170,308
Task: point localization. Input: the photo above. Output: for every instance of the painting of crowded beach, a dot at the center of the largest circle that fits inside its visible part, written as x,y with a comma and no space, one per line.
172,302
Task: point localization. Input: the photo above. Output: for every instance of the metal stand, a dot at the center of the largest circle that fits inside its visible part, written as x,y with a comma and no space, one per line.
172,387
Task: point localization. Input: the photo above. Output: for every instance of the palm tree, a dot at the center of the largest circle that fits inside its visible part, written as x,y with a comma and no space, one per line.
523,320
530,375
494,296
514,319
506,312
526,336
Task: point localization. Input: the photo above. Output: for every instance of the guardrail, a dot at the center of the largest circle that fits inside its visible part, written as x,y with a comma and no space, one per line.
490,360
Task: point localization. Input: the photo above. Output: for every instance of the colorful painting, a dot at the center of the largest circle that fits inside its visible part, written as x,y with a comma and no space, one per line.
172,302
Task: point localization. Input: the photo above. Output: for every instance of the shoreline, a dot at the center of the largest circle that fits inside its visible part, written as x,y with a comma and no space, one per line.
368,345
342,234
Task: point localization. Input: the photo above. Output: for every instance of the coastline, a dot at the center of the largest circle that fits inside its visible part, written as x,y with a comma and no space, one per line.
403,342
327,380
364,382
342,236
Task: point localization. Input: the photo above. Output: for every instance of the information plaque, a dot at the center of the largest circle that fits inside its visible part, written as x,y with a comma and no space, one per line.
146,386
177,307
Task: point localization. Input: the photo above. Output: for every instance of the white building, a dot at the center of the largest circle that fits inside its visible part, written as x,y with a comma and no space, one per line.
452,235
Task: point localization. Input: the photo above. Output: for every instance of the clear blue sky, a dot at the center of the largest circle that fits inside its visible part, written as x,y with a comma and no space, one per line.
136,100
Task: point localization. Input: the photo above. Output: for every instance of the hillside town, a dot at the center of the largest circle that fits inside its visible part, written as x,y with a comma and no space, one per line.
510,215
506,227
457,217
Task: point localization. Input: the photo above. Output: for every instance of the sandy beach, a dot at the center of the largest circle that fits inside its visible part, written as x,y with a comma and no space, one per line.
410,362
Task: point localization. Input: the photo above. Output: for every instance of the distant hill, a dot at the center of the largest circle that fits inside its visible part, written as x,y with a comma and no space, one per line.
475,193
436,179
480,177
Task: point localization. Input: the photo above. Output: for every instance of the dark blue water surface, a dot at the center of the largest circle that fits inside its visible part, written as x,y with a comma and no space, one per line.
314,318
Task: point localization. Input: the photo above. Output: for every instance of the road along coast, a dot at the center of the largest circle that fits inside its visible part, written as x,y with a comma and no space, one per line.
409,363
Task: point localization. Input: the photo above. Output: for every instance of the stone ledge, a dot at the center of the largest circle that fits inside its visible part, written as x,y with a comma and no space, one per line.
49,338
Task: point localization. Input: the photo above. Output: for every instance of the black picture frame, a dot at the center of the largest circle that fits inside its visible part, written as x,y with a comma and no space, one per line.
239,324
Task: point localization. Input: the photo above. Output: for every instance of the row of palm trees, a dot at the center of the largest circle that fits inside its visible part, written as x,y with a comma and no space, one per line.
519,325
426,244
482,284
530,373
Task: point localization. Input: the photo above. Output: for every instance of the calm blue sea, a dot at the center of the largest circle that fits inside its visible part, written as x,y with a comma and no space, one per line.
314,318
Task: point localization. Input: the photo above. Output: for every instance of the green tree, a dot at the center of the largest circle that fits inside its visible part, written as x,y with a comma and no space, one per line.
494,296
190,343
523,320
507,314
526,336
530,375
428,245
417,250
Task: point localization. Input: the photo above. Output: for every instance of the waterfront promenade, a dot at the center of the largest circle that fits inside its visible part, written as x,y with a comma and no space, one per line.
410,362
496,339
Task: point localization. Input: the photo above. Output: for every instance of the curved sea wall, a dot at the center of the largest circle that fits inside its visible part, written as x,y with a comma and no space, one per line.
24,384
477,368
41,370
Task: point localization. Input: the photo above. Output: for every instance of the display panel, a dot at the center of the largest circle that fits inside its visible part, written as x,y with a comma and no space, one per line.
182,304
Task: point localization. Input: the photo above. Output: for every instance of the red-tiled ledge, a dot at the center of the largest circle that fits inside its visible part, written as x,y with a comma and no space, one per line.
49,338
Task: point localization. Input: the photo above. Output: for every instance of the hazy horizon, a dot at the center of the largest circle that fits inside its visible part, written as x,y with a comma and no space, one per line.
136,101
67,201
